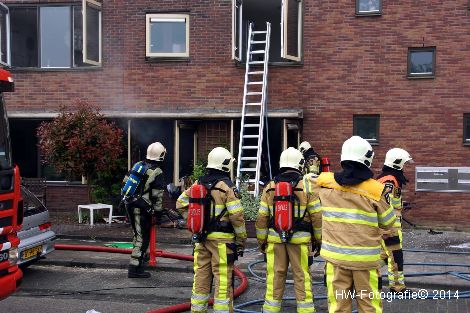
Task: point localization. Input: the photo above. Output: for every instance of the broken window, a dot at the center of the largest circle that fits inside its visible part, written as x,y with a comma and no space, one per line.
285,17
53,36
167,35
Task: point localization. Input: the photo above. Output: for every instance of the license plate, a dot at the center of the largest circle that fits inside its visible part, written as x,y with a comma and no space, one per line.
31,252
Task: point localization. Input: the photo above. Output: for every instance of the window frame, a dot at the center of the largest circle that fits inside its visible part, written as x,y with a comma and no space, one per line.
368,13
466,136
377,127
284,31
98,6
176,55
237,32
3,7
423,75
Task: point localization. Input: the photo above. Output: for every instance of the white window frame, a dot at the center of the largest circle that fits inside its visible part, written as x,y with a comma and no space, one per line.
237,7
96,5
284,23
3,7
372,12
168,17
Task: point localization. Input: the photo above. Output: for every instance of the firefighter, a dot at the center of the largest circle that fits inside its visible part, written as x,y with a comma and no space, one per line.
293,247
312,159
223,237
393,178
143,205
354,210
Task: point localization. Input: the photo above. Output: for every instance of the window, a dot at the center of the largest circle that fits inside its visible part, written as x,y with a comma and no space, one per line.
367,126
368,7
4,35
56,36
466,128
167,35
286,41
421,62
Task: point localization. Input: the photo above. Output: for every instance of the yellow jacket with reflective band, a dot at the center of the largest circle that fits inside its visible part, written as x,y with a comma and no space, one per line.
352,217
393,193
308,203
234,213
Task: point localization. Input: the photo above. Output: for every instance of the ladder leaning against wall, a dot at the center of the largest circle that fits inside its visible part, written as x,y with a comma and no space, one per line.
254,115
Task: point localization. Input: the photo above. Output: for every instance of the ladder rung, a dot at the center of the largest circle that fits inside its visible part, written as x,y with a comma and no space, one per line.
253,114
246,169
252,181
258,41
256,62
257,52
255,83
254,93
249,158
250,136
259,32
256,73
249,147
251,125
253,103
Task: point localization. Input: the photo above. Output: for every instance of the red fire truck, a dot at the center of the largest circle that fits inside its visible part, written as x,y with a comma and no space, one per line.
11,204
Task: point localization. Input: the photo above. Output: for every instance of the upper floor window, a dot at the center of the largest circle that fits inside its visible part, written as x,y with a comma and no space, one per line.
421,62
56,36
4,35
286,41
367,126
466,128
167,35
368,7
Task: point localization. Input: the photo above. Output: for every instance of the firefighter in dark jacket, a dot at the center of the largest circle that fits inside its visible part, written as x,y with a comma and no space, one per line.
393,178
296,247
223,238
143,205
312,159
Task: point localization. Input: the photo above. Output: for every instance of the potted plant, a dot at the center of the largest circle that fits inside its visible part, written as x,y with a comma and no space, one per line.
250,205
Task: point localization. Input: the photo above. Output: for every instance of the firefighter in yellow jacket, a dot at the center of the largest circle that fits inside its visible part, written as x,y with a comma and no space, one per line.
293,247
312,159
393,178
224,236
354,210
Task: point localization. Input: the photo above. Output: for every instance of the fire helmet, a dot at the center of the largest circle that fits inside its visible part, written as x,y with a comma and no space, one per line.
292,158
156,152
304,146
358,150
220,159
396,158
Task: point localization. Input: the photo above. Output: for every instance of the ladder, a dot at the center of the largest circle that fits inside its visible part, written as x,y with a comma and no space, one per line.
254,109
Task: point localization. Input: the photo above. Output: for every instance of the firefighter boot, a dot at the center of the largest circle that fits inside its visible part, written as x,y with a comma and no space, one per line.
137,272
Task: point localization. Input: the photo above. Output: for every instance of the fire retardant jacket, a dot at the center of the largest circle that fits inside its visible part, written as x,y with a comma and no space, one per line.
225,196
393,195
309,210
352,219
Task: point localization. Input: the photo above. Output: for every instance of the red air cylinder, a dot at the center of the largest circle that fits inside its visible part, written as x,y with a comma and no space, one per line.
197,196
283,209
325,164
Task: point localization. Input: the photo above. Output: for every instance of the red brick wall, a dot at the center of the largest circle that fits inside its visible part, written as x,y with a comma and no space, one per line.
66,198
352,65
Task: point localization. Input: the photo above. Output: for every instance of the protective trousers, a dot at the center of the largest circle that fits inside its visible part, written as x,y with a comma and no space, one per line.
141,223
278,257
213,260
343,285
396,278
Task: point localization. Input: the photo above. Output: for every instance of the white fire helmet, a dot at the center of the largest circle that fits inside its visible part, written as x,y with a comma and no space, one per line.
156,152
357,149
292,158
220,159
396,158
304,146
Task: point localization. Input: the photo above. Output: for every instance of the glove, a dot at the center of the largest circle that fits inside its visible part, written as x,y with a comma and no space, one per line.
316,248
240,249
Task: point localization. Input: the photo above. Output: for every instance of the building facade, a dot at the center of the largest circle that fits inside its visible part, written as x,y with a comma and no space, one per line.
394,72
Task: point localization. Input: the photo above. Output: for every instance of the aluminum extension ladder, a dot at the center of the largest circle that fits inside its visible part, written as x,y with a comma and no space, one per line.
254,113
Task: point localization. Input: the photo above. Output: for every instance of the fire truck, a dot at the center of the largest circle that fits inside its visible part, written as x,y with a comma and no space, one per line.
11,204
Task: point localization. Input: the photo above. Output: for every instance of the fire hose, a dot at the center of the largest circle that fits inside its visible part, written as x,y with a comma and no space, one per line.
181,307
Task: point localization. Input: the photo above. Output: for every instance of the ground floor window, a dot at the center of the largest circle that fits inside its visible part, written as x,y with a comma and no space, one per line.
367,126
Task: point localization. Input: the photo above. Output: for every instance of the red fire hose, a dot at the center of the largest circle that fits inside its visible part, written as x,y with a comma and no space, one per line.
181,307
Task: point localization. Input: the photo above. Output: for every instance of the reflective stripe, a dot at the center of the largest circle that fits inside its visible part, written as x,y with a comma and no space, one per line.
240,230
374,286
350,217
220,235
200,297
183,199
387,217
218,209
221,306
270,304
307,278
314,207
330,274
234,206
263,209
349,253
198,308
261,233
317,233
222,291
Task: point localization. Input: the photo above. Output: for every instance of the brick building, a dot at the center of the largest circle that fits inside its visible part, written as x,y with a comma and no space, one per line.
395,72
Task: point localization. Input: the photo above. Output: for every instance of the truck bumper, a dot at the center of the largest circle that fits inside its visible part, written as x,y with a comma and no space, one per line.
9,283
